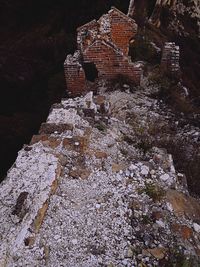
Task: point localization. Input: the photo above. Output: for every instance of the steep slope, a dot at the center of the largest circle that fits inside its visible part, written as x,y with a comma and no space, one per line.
178,21
92,190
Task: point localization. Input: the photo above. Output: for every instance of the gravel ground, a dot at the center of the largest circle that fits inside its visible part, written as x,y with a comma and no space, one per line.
104,201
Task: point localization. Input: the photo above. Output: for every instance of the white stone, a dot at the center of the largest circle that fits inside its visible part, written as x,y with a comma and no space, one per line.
165,177
169,207
98,206
152,172
57,237
125,262
77,143
196,227
74,241
161,223
132,167
144,170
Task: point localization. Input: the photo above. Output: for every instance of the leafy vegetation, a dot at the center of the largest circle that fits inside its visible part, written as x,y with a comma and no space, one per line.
154,192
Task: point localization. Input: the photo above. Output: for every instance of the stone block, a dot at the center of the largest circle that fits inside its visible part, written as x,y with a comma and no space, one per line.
50,128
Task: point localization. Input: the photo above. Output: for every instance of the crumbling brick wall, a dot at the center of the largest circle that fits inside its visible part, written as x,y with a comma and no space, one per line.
74,75
122,30
106,44
170,59
110,62
87,34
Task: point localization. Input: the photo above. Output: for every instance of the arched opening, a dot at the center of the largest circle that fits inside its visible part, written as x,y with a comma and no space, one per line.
91,72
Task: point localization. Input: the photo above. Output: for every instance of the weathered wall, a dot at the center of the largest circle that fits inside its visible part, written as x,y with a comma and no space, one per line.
106,44
86,34
122,30
170,59
114,27
111,63
74,74
75,77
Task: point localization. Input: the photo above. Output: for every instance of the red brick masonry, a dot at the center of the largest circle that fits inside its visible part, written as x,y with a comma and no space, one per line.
106,44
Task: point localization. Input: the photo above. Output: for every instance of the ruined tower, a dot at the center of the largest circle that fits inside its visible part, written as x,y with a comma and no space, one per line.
103,48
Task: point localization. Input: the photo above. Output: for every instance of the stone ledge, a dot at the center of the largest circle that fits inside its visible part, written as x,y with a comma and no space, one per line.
24,198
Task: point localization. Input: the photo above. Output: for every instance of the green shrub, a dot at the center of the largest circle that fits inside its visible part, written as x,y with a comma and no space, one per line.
153,191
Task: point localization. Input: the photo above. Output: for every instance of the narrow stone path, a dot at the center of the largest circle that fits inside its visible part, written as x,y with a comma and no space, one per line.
85,194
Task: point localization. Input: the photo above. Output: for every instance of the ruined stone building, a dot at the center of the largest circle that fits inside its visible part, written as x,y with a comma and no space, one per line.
103,48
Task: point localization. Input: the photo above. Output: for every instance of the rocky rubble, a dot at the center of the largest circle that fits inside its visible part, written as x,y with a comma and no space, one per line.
88,191
183,13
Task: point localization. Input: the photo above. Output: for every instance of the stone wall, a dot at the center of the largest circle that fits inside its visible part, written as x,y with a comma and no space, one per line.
170,59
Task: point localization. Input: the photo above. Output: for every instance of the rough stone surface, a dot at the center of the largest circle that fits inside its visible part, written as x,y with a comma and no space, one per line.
98,197
170,59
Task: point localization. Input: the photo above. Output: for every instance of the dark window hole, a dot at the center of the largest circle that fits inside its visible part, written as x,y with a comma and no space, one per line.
91,71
